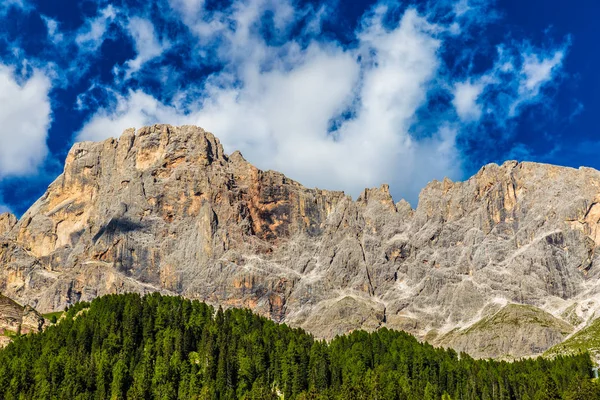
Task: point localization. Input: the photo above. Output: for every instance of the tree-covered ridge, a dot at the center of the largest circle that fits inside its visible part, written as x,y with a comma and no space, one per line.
158,347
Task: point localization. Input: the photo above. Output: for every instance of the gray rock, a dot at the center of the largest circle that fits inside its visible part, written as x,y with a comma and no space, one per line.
514,331
165,209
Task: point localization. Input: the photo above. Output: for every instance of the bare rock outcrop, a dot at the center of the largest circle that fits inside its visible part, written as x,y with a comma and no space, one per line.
165,209
514,331
7,222
16,319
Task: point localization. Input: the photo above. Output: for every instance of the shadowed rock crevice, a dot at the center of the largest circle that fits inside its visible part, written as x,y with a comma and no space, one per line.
116,226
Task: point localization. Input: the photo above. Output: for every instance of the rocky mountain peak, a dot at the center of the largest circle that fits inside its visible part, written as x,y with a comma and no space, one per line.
159,146
379,195
164,209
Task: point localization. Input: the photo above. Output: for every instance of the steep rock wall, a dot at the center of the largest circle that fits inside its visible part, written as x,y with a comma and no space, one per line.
165,209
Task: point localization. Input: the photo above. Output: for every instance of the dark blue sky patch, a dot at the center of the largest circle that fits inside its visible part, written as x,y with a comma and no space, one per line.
70,14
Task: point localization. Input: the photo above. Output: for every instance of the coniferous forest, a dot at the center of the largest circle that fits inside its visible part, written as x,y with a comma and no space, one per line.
158,347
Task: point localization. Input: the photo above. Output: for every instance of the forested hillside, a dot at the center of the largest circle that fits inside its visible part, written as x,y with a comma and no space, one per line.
157,347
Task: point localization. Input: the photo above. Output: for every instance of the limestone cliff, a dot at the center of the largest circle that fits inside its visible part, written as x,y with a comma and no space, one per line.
16,319
164,208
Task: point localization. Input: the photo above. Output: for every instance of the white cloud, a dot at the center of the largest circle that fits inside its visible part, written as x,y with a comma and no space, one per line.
25,117
462,7
187,8
146,41
91,35
5,5
147,44
137,109
280,117
278,103
53,31
233,29
536,71
465,99
511,84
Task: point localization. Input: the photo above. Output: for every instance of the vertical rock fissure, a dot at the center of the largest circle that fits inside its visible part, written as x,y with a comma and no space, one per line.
364,256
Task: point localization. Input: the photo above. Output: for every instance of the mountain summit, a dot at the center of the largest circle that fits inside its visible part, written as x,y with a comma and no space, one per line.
165,209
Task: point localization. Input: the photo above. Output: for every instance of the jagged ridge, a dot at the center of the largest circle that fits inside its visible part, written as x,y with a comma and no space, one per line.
165,209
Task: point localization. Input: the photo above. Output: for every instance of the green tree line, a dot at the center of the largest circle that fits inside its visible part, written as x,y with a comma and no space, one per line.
162,347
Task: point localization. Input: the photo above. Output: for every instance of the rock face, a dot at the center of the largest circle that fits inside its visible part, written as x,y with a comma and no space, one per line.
16,319
7,222
514,331
164,208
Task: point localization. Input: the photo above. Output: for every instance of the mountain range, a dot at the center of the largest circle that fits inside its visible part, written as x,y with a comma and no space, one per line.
504,264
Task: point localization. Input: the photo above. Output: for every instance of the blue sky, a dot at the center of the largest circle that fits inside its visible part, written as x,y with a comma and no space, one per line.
337,95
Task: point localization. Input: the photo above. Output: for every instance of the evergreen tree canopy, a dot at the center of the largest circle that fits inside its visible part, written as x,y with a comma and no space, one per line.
160,347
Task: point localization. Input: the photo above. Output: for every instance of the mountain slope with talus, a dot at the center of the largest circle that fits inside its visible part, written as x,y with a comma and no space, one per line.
165,209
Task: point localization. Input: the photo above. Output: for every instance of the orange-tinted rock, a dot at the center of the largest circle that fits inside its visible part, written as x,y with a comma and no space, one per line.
7,222
16,319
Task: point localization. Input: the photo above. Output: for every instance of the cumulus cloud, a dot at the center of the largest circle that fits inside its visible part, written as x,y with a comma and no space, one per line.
135,109
332,115
25,116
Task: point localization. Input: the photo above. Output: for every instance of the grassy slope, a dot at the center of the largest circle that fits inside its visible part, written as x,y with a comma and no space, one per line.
57,314
490,336
587,339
